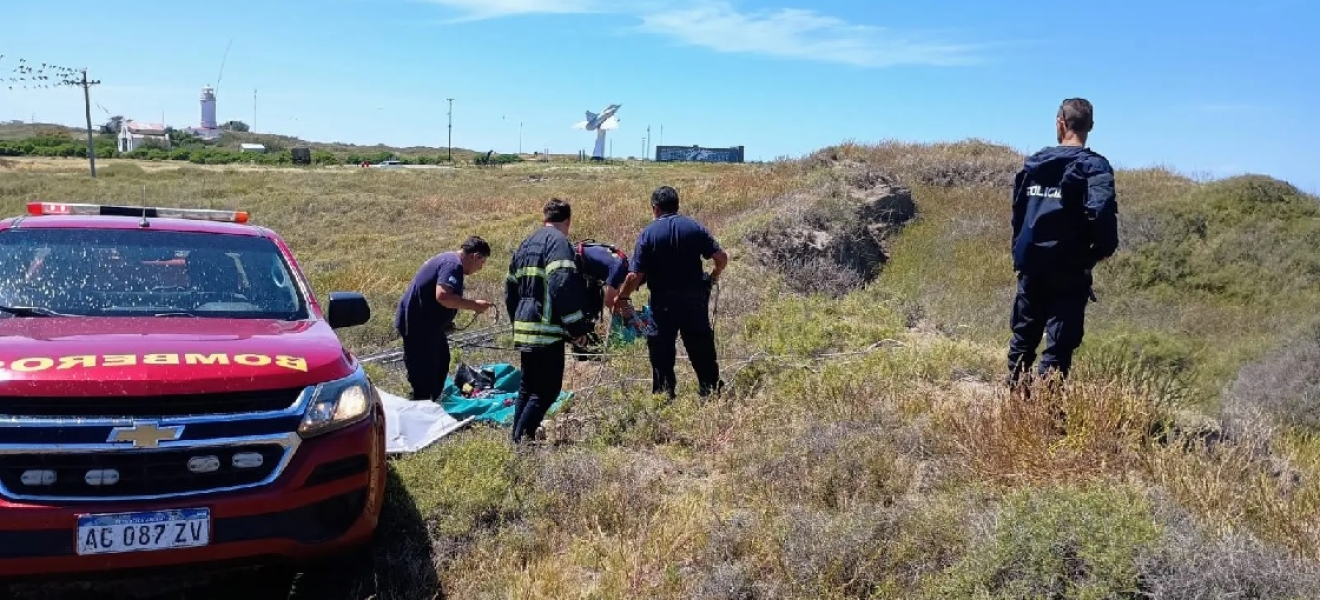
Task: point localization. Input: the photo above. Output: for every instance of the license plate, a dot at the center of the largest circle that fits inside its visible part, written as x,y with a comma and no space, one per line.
142,531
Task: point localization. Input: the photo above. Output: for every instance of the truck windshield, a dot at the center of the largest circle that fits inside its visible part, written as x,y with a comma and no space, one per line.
103,272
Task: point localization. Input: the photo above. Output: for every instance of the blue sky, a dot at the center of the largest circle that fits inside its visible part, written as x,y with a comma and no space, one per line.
1210,87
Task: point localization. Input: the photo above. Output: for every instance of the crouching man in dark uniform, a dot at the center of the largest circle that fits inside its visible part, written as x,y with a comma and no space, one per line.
544,296
1065,221
603,269
668,258
426,313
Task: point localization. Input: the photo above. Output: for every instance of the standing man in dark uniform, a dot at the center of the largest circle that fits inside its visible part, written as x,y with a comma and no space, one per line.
544,296
1065,221
426,314
668,258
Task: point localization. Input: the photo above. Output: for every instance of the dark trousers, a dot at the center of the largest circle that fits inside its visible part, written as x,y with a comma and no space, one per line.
687,316
542,381
426,357
1053,304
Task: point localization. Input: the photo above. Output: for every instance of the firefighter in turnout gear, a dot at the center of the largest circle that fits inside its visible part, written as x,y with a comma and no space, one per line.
604,267
545,296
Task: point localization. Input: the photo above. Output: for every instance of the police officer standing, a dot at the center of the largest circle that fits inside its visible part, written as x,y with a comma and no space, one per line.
1065,221
668,258
544,296
426,314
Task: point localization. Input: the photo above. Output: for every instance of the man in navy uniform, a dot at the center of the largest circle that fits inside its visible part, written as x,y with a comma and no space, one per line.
426,314
544,296
604,267
1065,221
668,258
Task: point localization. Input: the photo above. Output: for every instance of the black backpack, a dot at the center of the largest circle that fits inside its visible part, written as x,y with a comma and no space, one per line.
472,381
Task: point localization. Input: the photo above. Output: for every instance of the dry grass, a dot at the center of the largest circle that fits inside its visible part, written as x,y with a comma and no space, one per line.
1083,432
864,449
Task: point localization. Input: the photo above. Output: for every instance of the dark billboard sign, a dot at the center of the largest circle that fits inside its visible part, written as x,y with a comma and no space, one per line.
698,154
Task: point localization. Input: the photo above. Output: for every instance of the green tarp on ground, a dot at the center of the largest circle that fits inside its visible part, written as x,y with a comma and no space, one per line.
495,405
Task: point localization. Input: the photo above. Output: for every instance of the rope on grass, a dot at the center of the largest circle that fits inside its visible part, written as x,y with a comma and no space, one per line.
480,338
737,364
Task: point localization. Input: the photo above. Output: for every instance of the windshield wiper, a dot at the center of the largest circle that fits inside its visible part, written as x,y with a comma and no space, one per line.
32,311
174,314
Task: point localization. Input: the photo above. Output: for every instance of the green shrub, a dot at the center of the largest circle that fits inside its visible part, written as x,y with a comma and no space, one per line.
1057,543
469,483
1152,362
1213,241
1284,385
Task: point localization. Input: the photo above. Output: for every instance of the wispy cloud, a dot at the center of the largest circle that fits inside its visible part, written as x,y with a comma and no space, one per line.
720,26
798,33
479,10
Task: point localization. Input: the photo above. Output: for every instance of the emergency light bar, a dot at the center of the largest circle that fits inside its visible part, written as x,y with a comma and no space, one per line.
63,208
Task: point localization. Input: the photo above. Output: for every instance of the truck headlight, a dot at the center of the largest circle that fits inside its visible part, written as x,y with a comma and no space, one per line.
336,404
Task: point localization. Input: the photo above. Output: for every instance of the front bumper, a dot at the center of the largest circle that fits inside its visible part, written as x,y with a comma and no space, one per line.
327,500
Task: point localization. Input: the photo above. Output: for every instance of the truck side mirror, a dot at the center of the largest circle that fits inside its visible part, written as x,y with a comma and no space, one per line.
347,309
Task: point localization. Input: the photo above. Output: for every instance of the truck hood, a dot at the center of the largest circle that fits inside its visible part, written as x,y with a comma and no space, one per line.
93,356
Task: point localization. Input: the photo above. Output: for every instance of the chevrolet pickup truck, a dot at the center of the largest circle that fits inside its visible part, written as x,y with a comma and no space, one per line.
172,393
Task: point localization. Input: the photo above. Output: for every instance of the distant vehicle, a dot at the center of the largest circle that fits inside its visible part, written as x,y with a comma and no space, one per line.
302,155
388,164
172,393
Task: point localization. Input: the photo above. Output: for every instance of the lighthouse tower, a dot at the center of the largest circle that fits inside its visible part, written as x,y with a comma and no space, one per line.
208,108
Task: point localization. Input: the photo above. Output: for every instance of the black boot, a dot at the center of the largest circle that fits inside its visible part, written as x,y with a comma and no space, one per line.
529,420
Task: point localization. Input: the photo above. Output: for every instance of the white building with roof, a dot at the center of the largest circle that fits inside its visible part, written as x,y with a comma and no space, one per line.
133,134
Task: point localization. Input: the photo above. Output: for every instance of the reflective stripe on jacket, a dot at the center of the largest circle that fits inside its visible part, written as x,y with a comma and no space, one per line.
545,292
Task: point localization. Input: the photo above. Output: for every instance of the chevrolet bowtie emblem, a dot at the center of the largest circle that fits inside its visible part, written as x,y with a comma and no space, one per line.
145,435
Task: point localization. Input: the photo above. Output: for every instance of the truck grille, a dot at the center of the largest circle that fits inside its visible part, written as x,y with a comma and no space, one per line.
117,407
138,473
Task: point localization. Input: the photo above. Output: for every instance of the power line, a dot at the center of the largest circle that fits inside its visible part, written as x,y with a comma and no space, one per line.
30,75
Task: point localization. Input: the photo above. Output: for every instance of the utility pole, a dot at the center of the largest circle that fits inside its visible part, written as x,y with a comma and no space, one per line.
87,106
519,137
662,135
254,111
451,129
647,153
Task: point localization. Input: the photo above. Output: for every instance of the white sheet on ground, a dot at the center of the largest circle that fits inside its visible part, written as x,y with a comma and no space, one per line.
413,425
